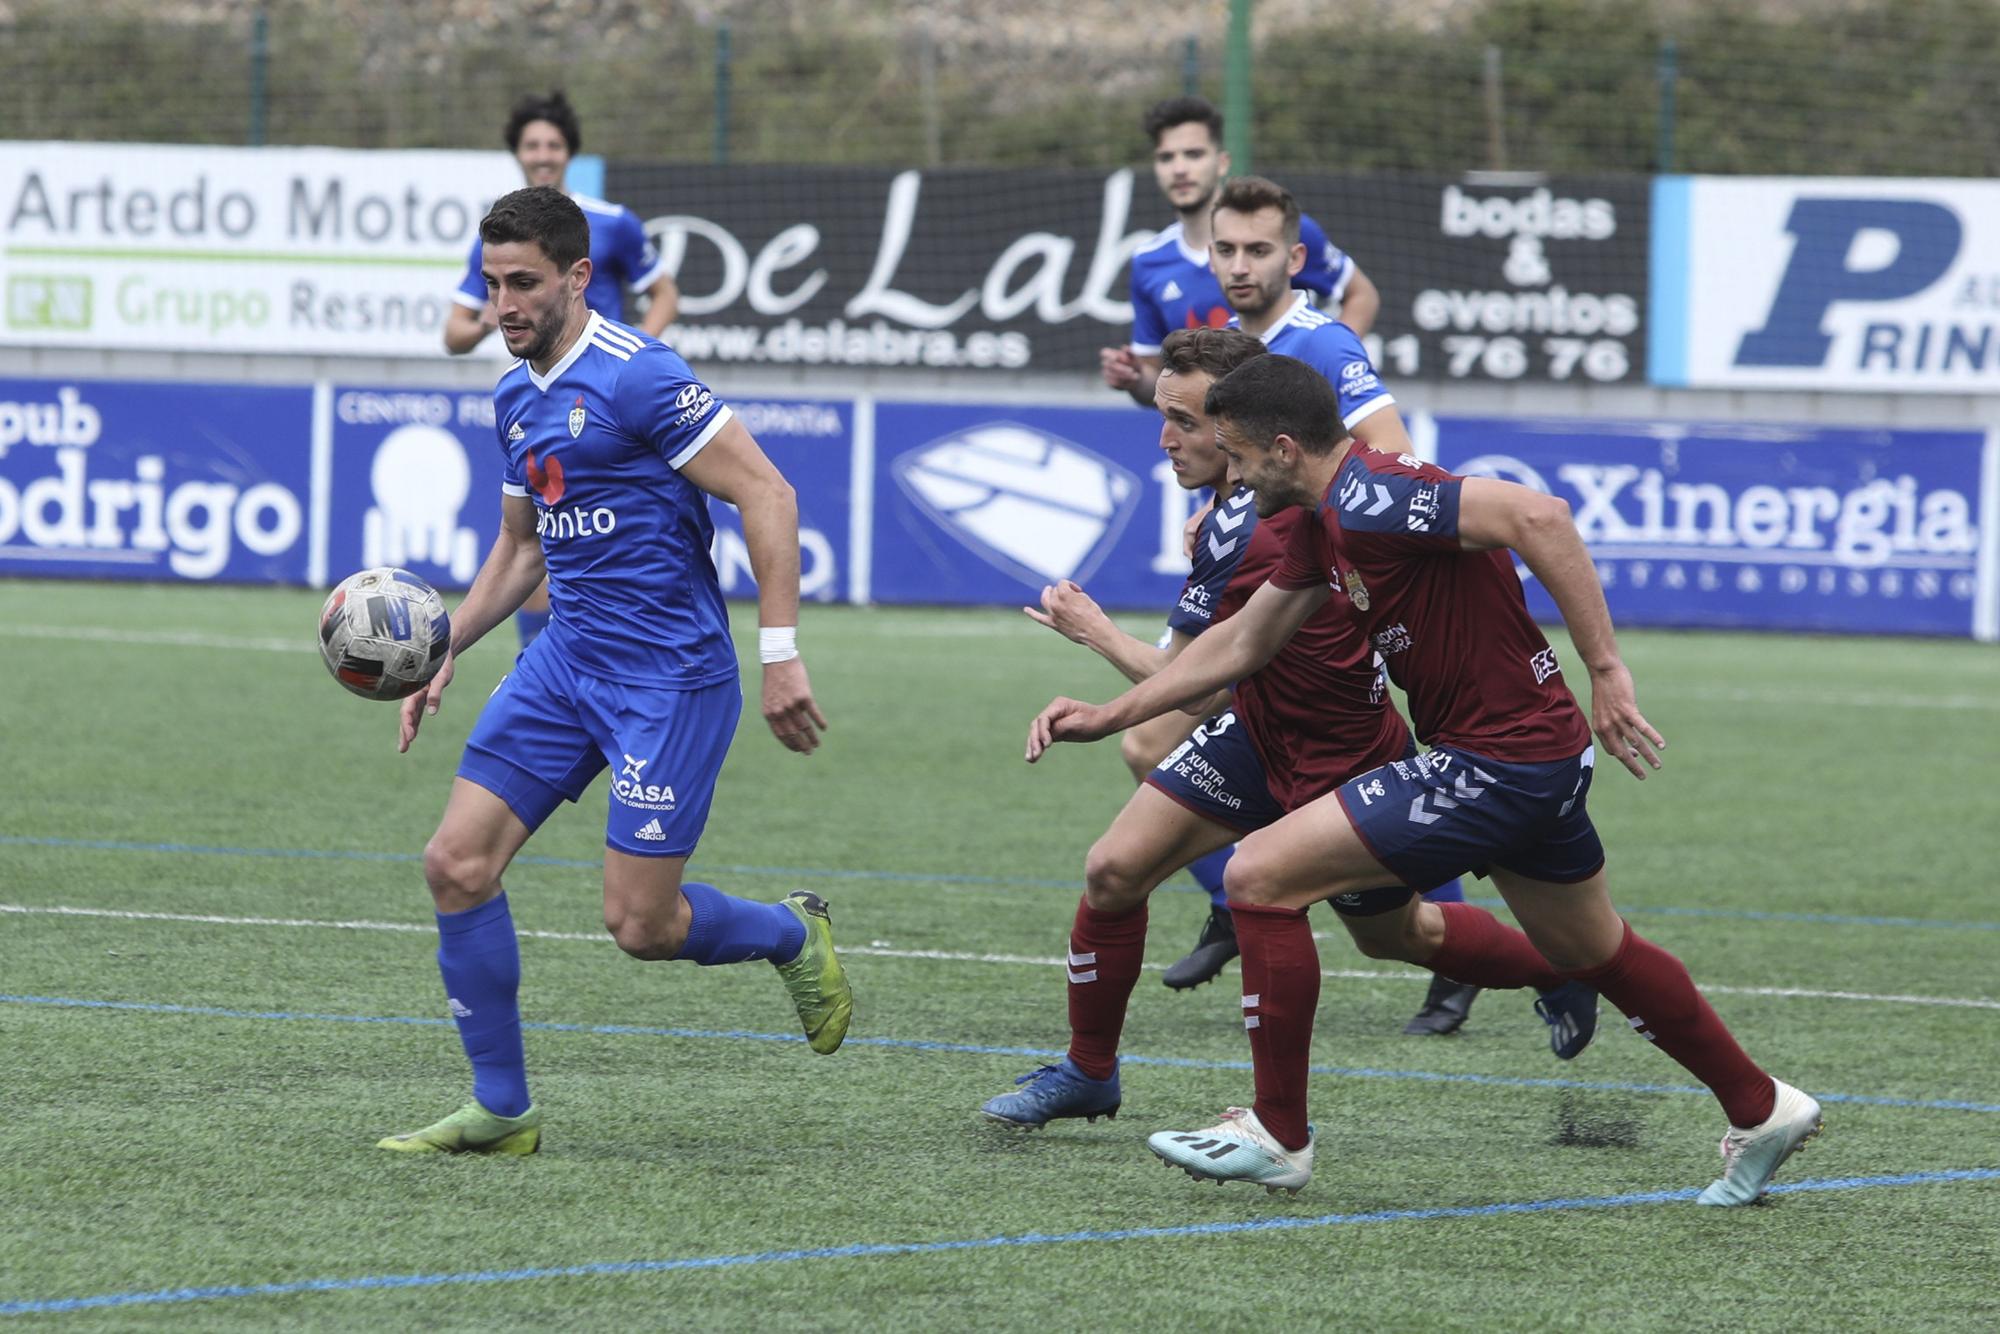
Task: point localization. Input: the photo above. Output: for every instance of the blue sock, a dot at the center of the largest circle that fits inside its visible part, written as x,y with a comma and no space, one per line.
481,963
530,624
722,929
1451,891
1207,872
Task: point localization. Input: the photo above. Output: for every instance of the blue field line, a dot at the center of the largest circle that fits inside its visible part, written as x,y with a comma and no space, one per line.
974,1049
914,878
883,1250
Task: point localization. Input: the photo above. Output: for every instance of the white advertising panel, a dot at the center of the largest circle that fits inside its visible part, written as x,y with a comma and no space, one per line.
1827,283
287,250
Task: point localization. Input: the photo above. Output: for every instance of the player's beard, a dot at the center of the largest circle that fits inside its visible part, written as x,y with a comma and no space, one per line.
1263,301
548,327
1202,203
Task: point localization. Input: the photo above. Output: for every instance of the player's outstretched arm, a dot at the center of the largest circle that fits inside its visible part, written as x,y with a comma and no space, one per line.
733,468
1224,654
1075,615
1538,528
513,569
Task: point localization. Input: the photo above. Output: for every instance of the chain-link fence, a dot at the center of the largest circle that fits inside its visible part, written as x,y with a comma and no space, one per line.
1894,87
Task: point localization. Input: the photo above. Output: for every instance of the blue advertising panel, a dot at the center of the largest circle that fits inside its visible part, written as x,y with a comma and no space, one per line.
1748,526
415,482
128,480
812,442
984,503
416,479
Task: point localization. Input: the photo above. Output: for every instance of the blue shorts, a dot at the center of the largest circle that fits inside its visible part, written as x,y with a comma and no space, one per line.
1431,817
549,729
1217,774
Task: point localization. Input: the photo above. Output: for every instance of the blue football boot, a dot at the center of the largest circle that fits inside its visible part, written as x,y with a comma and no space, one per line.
1570,1011
1050,1092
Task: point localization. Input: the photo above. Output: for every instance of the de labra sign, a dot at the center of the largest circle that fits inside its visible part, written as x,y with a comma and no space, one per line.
296,250
1482,278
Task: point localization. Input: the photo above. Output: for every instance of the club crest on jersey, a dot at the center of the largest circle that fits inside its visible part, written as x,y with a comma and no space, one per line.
576,418
1357,590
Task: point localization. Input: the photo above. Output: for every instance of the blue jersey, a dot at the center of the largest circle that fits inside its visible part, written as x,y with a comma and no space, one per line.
599,442
1173,287
621,256
1332,349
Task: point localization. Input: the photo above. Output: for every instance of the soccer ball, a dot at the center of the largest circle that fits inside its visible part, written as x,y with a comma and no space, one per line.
383,633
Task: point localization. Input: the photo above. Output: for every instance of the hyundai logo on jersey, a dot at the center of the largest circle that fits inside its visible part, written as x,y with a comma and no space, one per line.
1027,502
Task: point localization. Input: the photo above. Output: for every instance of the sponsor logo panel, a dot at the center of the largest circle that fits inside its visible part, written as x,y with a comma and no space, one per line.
1795,528
1837,283
217,249
154,481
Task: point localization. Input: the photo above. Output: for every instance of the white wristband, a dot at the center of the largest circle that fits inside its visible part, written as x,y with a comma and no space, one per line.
777,643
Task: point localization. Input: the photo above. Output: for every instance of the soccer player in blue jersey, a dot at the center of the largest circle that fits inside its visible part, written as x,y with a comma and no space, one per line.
1173,286
543,134
612,448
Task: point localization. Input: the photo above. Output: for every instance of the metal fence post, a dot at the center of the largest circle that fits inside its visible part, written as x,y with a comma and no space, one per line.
722,94
1236,88
1670,77
1191,66
927,91
1496,113
260,68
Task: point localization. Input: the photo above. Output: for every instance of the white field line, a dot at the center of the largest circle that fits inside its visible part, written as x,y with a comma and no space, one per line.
104,634
1843,699
879,951
1000,627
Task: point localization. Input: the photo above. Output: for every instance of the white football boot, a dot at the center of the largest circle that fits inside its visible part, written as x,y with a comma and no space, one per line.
1237,1148
1750,1158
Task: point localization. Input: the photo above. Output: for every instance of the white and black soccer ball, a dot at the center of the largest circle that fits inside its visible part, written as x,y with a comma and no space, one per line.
383,633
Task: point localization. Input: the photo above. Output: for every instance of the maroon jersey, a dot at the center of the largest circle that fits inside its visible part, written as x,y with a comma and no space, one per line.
1452,624
1319,712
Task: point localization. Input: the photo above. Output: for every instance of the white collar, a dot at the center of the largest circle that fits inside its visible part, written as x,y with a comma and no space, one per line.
576,349
1299,300
1188,252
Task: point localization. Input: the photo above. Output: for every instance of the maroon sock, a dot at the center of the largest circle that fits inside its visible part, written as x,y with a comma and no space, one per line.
1280,993
1480,950
1105,952
1658,997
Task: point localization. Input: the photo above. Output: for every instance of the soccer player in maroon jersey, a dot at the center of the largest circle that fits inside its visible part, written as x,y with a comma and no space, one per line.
1419,559
1315,715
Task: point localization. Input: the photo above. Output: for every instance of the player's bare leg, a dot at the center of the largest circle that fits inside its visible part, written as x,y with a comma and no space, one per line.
1142,747
481,963
1153,837
654,915
1579,930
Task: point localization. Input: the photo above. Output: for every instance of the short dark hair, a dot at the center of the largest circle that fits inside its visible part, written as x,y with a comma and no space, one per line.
1213,352
1276,395
555,109
1163,116
1254,194
544,215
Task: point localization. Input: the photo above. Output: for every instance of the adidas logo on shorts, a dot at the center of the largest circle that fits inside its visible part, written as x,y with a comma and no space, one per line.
651,832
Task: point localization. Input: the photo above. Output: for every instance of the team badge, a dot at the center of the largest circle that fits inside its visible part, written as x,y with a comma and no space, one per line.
1357,590
576,418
